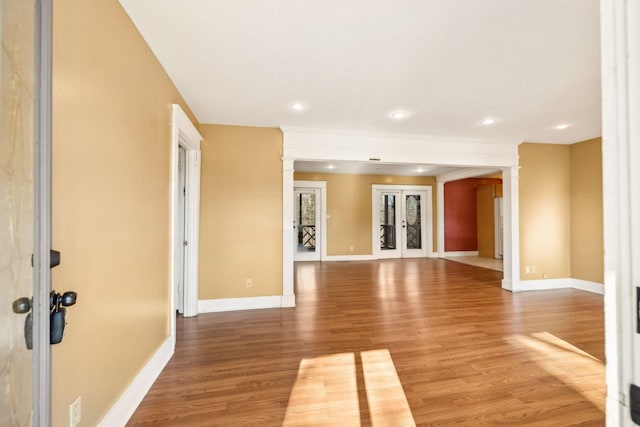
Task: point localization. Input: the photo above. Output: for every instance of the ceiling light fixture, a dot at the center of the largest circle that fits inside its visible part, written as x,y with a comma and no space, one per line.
399,115
331,167
488,121
561,126
297,107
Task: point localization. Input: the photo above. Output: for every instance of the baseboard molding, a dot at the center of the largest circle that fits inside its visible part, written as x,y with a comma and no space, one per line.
128,402
542,284
584,285
349,258
460,253
248,303
566,283
288,300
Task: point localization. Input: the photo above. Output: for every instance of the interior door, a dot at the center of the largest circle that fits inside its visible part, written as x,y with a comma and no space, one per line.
182,236
402,224
306,221
17,209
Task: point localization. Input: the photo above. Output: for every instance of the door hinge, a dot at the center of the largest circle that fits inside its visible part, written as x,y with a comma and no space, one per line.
185,243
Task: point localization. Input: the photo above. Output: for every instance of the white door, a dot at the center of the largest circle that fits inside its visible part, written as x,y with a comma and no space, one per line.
182,235
24,220
307,224
402,228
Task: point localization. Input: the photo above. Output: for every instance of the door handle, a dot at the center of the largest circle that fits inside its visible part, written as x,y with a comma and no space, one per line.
57,310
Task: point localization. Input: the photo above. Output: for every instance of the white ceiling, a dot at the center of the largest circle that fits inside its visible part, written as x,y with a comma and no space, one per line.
530,64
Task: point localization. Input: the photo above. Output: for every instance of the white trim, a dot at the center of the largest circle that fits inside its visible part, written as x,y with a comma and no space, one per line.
564,283
466,173
349,258
314,144
511,227
186,135
584,285
460,253
322,186
542,285
620,77
235,304
128,402
440,219
287,230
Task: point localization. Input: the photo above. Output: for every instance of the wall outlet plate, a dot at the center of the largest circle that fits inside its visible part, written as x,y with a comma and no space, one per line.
75,412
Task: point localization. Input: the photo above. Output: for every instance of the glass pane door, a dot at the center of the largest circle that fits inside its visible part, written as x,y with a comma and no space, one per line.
389,214
307,224
413,227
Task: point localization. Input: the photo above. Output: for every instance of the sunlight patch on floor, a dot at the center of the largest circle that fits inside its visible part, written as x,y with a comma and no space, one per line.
574,367
388,404
326,392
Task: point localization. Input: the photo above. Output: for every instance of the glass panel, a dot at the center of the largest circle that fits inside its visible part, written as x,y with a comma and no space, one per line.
306,220
413,214
387,221
16,205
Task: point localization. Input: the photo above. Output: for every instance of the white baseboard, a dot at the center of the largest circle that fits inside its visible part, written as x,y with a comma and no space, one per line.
460,253
288,300
349,258
584,285
128,402
248,303
542,284
566,283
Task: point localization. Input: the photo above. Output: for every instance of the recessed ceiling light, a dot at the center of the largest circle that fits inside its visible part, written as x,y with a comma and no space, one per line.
561,126
399,115
331,167
488,121
297,106
420,170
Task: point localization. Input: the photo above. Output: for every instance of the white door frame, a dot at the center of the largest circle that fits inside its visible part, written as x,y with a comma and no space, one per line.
426,216
186,135
321,215
620,44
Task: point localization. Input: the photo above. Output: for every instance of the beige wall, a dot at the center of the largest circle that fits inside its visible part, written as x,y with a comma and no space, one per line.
545,189
111,180
587,250
349,205
240,212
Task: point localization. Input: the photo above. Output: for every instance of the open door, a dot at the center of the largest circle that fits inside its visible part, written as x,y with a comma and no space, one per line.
25,211
307,224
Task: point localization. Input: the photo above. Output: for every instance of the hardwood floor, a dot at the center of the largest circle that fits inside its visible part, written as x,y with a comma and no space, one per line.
390,343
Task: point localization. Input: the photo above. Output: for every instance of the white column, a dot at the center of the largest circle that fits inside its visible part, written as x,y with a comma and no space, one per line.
511,227
440,218
288,297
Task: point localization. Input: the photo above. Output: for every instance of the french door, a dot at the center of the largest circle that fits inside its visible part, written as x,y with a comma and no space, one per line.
400,225
307,224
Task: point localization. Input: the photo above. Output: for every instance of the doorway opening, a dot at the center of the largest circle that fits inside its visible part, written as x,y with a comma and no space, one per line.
185,217
309,221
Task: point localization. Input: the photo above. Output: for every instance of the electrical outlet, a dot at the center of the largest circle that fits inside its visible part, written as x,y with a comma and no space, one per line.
527,270
351,248
249,283
75,412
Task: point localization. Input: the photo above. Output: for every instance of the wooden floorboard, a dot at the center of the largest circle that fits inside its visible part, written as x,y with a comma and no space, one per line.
387,343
